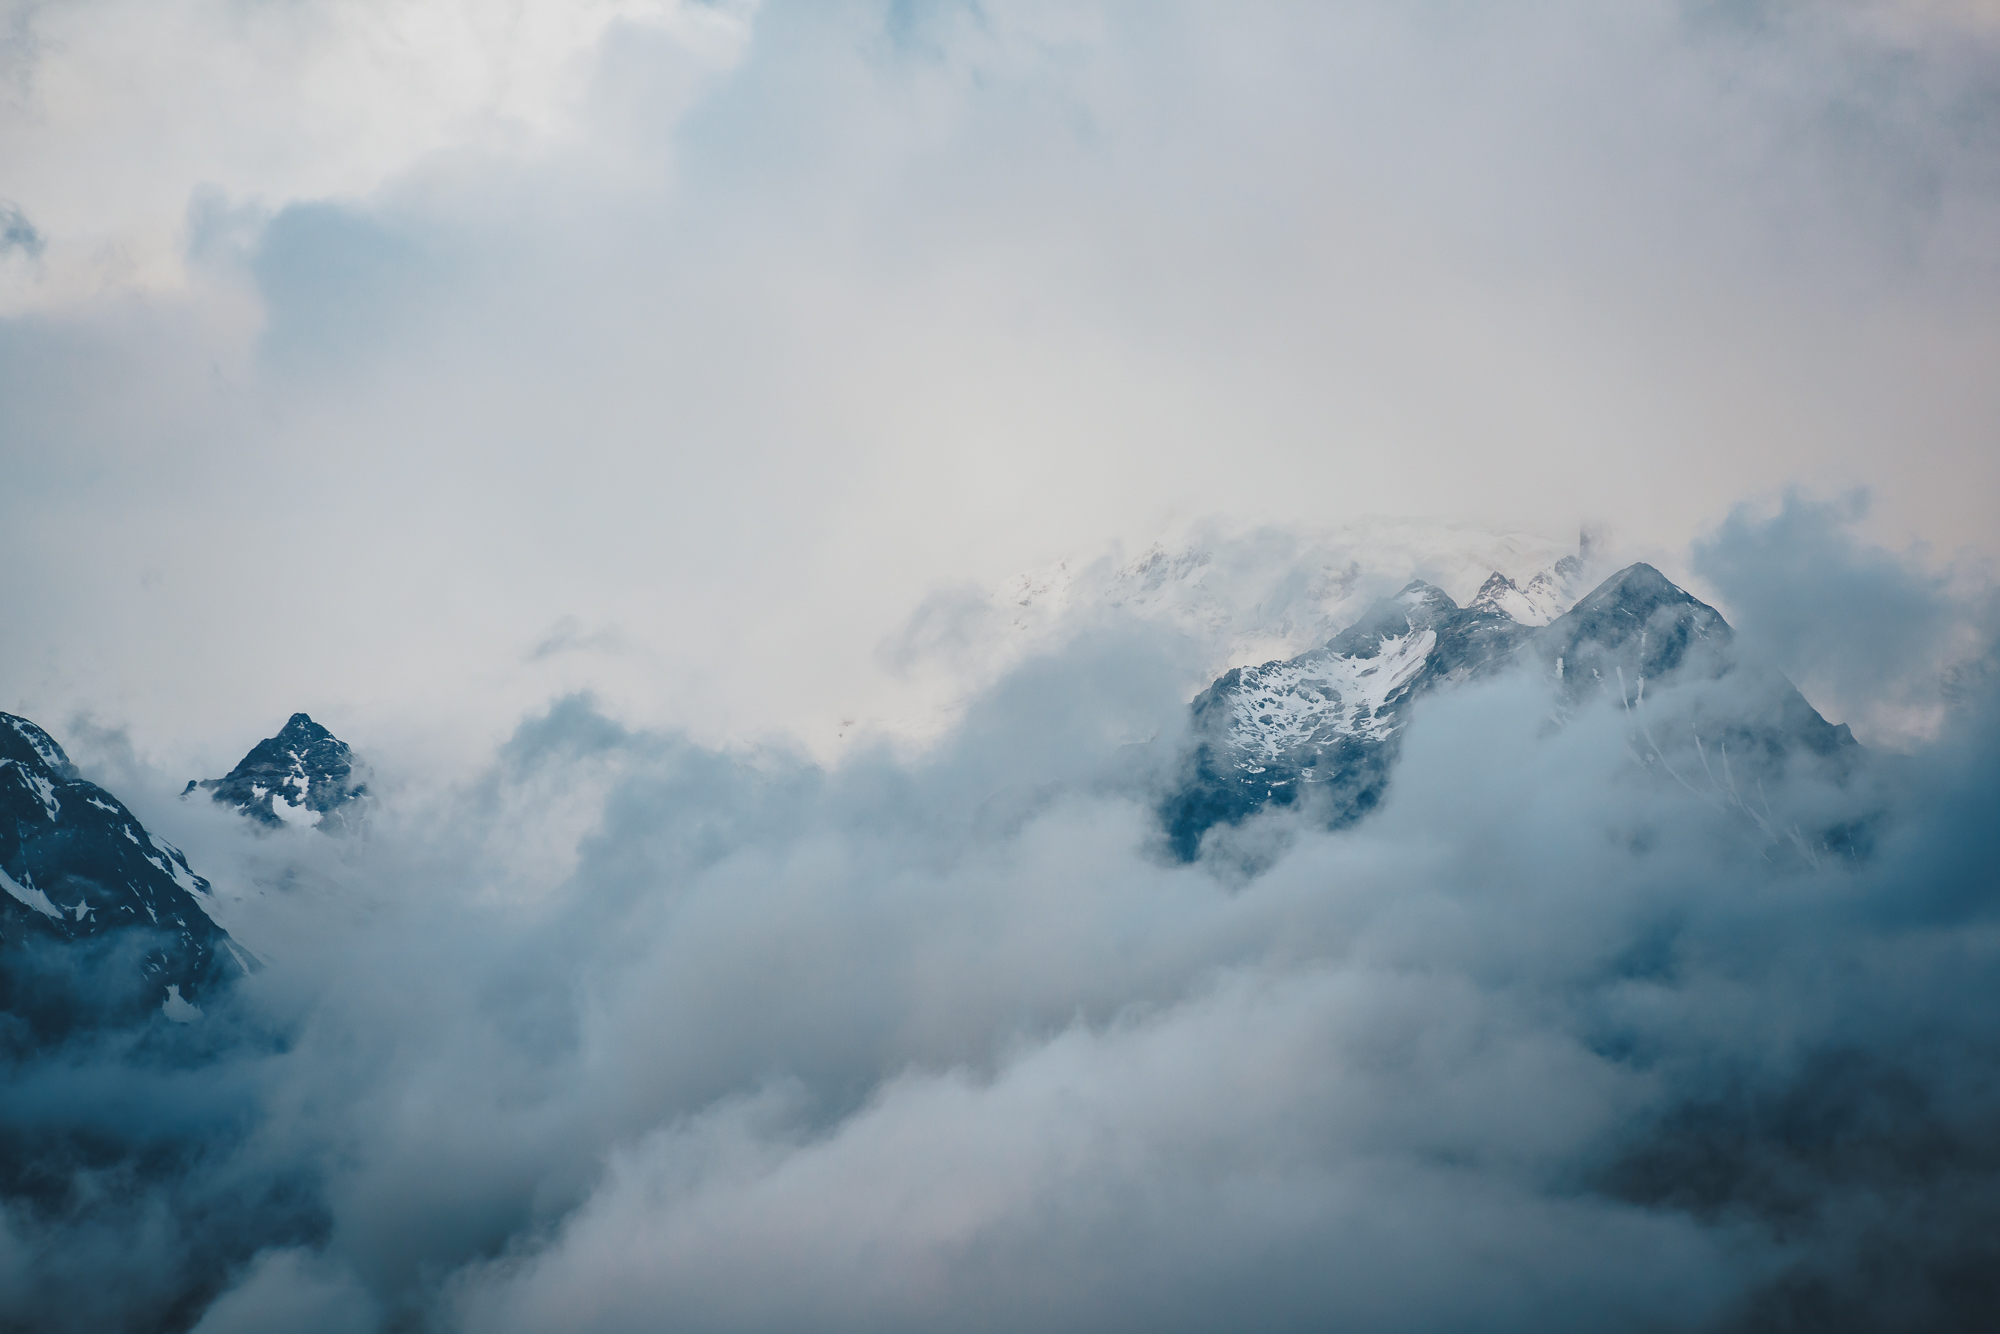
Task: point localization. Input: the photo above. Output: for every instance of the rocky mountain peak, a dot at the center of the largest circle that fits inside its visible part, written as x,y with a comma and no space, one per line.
1638,622
1637,589
302,776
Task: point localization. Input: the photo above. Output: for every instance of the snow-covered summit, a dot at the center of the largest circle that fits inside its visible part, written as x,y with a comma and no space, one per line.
1543,598
1547,594
1321,727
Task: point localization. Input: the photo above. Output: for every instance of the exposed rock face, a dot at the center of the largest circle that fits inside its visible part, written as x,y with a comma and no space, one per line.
303,776
1321,729
99,920
1743,723
1317,728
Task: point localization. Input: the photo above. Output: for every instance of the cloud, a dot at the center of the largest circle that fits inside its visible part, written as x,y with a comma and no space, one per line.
1801,588
744,343
119,113
374,361
290,1289
632,1030
18,234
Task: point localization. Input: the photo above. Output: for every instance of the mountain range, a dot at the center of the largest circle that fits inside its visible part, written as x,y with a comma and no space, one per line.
1323,728
89,892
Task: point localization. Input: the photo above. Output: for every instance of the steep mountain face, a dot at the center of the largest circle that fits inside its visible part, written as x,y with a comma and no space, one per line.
302,776
1321,729
1317,728
100,921
1743,722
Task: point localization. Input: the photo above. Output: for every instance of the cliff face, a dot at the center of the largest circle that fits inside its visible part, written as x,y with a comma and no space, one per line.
100,921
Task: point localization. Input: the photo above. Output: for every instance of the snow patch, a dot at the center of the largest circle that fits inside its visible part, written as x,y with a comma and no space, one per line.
1323,695
1543,598
176,1009
298,777
175,865
29,895
298,817
40,742
44,790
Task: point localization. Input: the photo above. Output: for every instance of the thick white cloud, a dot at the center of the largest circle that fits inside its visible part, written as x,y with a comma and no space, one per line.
633,1032
118,116
680,353
414,368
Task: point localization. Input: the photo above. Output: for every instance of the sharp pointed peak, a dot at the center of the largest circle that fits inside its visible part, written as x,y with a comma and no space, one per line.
300,728
1639,589
1639,576
1498,596
1420,591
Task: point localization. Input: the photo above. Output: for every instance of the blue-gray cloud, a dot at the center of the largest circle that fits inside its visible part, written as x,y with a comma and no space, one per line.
633,1031
1871,635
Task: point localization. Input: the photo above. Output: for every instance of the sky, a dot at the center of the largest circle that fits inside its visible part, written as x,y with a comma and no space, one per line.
415,364
759,485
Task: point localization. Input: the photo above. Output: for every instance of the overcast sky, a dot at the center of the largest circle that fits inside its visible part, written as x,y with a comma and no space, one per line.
412,363
423,365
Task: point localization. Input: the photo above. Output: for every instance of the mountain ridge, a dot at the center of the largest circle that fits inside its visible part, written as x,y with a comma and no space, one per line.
1321,728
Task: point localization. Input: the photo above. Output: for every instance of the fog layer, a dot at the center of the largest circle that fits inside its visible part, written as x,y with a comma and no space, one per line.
629,1033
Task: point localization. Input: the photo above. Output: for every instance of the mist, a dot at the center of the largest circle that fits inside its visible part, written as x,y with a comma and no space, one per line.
409,367
759,485
625,1031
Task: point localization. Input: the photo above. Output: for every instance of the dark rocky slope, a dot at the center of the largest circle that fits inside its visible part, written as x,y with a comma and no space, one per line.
100,922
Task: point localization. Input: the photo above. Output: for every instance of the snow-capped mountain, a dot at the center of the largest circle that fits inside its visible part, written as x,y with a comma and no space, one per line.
81,873
302,776
1321,728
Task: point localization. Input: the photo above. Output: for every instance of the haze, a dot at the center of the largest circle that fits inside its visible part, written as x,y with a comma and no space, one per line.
415,364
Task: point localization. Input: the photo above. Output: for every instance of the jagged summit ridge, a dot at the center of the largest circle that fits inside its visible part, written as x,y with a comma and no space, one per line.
302,776
1543,598
1322,727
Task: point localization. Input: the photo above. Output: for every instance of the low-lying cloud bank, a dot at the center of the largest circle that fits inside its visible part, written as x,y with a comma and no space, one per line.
631,1034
